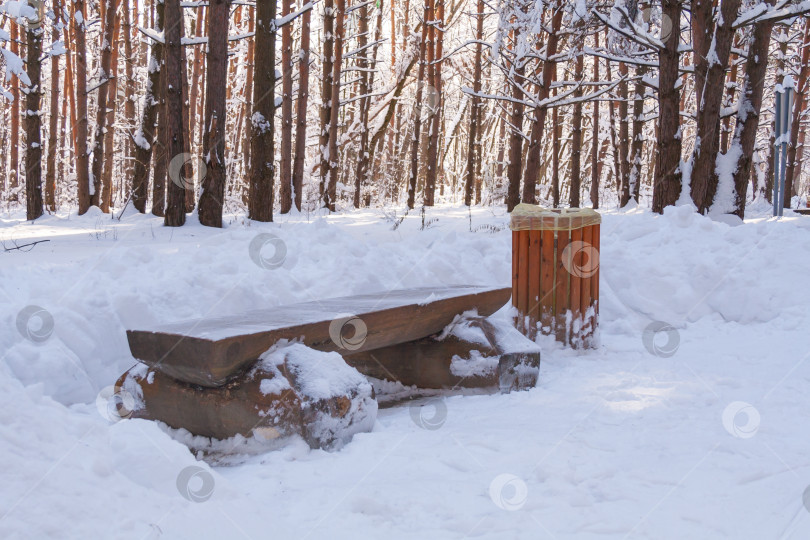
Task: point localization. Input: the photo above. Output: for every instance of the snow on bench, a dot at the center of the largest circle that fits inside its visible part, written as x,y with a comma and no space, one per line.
209,351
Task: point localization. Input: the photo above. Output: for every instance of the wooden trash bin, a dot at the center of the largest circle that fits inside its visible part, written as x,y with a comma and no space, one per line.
555,272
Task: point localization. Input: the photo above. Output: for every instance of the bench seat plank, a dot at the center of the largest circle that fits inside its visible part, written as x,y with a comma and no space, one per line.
209,351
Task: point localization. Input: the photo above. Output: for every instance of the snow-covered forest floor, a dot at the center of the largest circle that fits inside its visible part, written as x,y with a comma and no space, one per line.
700,431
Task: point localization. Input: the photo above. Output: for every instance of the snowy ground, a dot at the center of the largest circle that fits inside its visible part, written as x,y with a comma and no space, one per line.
699,433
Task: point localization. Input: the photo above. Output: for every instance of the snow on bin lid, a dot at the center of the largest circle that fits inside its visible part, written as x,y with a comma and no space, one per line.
527,217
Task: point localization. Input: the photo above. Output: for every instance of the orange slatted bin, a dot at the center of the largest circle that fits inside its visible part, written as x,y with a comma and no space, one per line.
555,272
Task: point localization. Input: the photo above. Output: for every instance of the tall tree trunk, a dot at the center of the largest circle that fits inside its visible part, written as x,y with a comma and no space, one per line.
285,177
704,176
129,85
555,156
780,73
514,169
800,98
33,140
109,135
69,92
745,131
196,72
436,106
53,120
334,118
637,144
301,113
86,189
327,60
261,170
362,65
188,162
576,132
595,161
623,181
731,89
176,147
536,136
667,183
14,165
702,28
160,156
417,116
110,7
248,104
145,136
368,170
473,144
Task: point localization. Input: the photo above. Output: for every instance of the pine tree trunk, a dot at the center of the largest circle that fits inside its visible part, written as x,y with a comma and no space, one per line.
417,115
555,155
196,72
285,169
595,161
514,169
106,35
53,122
70,117
159,155
129,94
667,183
261,167
532,171
576,134
301,115
800,98
109,136
624,140
176,147
745,132
637,144
33,140
704,176
327,59
362,65
334,161
248,103
473,144
14,161
702,28
731,88
85,188
436,105
780,72
145,136
188,162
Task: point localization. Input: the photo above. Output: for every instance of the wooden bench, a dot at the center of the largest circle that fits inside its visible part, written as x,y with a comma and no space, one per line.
223,376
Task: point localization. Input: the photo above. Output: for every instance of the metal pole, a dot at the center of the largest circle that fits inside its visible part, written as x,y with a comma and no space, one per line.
783,151
777,133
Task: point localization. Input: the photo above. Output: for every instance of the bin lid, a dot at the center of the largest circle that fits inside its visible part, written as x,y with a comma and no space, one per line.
527,217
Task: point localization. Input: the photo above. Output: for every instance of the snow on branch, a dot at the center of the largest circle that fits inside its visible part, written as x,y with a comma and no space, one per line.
287,19
14,65
632,32
561,101
778,12
510,99
601,53
363,48
19,10
195,40
358,6
154,35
